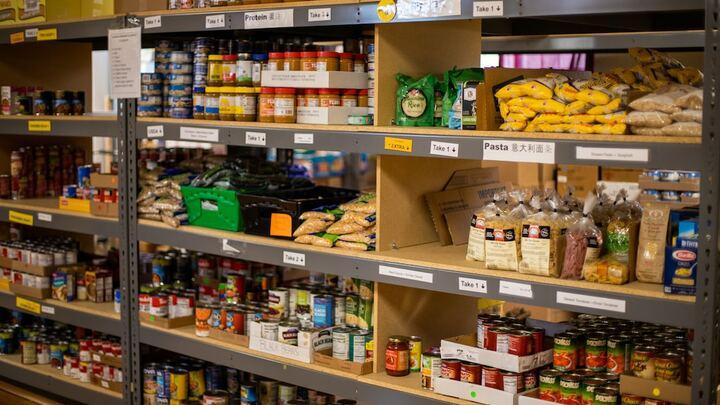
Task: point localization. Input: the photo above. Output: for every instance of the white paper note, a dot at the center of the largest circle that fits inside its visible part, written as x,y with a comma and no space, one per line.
124,50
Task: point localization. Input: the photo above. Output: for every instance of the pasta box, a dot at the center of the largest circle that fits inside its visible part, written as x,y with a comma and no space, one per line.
63,285
681,267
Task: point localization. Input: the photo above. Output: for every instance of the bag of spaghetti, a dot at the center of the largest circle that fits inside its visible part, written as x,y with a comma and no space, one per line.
502,234
476,238
583,243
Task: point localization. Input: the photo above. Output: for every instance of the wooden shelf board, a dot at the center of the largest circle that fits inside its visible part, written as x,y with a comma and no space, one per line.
77,118
409,384
104,309
249,7
21,26
47,371
50,206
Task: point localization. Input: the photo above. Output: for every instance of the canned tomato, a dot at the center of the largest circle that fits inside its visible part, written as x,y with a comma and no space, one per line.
641,362
341,343
530,380
511,382
431,368
570,389
550,385
588,387
520,342
668,367
492,378
159,305
450,368
481,319
497,339
486,326
605,396
618,354
565,354
470,372
149,378
415,353
288,332
596,352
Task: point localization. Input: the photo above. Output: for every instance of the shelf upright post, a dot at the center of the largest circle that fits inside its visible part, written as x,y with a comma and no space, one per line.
706,344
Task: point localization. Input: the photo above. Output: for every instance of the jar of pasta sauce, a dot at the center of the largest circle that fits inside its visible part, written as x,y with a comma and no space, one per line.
397,356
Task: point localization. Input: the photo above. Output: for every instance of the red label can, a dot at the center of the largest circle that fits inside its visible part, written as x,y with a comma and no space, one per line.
470,372
520,343
512,382
97,369
538,335
491,378
450,368
530,380
487,326
498,339
144,302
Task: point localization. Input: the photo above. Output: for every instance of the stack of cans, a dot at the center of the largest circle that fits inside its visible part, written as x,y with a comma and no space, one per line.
150,103
201,48
163,49
180,80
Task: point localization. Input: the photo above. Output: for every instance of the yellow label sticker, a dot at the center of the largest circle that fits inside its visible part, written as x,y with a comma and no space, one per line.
39,126
398,144
20,218
48,34
656,392
386,10
17,37
30,306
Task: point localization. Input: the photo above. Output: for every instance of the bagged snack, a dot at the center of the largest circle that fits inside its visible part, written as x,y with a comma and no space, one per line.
609,129
583,243
325,216
609,108
621,240
611,119
662,100
577,107
687,116
502,235
364,204
310,226
359,218
594,95
683,129
646,131
343,227
415,101
476,238
455,80
354,245
690,76
314,240
367,237
513,126
652,119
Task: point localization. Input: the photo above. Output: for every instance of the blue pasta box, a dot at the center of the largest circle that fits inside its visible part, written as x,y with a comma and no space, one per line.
681,267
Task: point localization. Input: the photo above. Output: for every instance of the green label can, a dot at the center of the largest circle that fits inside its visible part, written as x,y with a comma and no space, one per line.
570,389
565,352
596,352
550,385
358,340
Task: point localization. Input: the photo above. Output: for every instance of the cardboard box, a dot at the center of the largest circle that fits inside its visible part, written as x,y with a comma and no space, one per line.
680,273
665,391
39,293
525,174
167,323
63,285
96,283
315,80
110,385
619,174
74,204
276,348
531,398
8,12
325,358
131,6
233,338
104,359
472,177
103,209
474,392
582,179
100,180
44,271
464,348
328,115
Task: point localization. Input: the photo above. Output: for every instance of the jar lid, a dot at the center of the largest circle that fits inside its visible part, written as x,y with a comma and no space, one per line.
267,90
276,55
285,90
398,339
349,92
230,57
329,91
292,54
211,89
215,57
328,55
346,55
363,92
308,54
245,90
311,91
227,89
359,56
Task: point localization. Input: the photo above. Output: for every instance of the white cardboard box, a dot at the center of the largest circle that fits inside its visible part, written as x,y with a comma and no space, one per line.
328,115
303,354
314,80
462,348
474,392
531,398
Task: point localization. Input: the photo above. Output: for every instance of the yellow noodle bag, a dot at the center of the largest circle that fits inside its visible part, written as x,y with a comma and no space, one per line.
528,113
609,108
577,107
593,96
513,126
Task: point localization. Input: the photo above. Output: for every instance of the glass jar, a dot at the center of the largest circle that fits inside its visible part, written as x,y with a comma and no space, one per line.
292,61
359,63
311,98
212,103
199,103
329,97
346,62
244,69
397,356
227,103
246,104
363,98
349,98
285,104
300,100
308,60
266,100
229,70
215,70
259,63
327,61
276,61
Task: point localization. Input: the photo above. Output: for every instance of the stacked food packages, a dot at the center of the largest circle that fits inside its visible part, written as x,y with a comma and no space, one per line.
44,171
349,226
674,110
543,234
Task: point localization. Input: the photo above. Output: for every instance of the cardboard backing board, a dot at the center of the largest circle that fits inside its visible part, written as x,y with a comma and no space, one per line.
44,271
541,313
665,391
581,179
227,337
464,348
167,323
325,358
39,293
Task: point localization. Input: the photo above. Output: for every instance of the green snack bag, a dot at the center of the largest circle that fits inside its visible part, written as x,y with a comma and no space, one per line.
415,101
439,95
454,79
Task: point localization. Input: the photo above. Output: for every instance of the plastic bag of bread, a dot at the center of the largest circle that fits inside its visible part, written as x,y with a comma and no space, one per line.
687,116
502,235
683,129
583,242
653,119
310,226
692,100
476,237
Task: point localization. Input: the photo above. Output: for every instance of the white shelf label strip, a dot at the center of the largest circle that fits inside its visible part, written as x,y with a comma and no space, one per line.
199,134
614,154
269,19
406,274
472,284
516,289
590,301
519,151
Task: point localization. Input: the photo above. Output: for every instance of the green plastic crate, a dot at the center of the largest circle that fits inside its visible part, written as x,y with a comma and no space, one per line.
213,208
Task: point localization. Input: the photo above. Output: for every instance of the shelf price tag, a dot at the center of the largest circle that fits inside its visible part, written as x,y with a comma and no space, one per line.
488,9
215,21
39,126
17,37
155,131
31,33
516,289
255,138
27,305
294,258
304,139
44,217
20,218
319,14
444,149
398,144
406,274
48,34
519,151
269,19
472,284
46,309
199,134
153,22
615,154
590,301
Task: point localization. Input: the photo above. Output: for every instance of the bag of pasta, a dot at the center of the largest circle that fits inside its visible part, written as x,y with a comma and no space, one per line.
476,238
621,240
583,243
540,237
502,235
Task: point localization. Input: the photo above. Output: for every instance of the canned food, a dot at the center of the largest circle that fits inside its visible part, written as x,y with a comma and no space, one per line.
641,361
618,356
203,314
512,382
596,352
631,399
269,330
431,368
605,396
520,342
588,387
668,367
286,394
358,342
450,368
570,389
530,380
248,394
279,303
233,380
150,378
323,311
217,397
470,372
28,353
550,385
565,352
341,344
415,353
340,311
492,378
196,381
